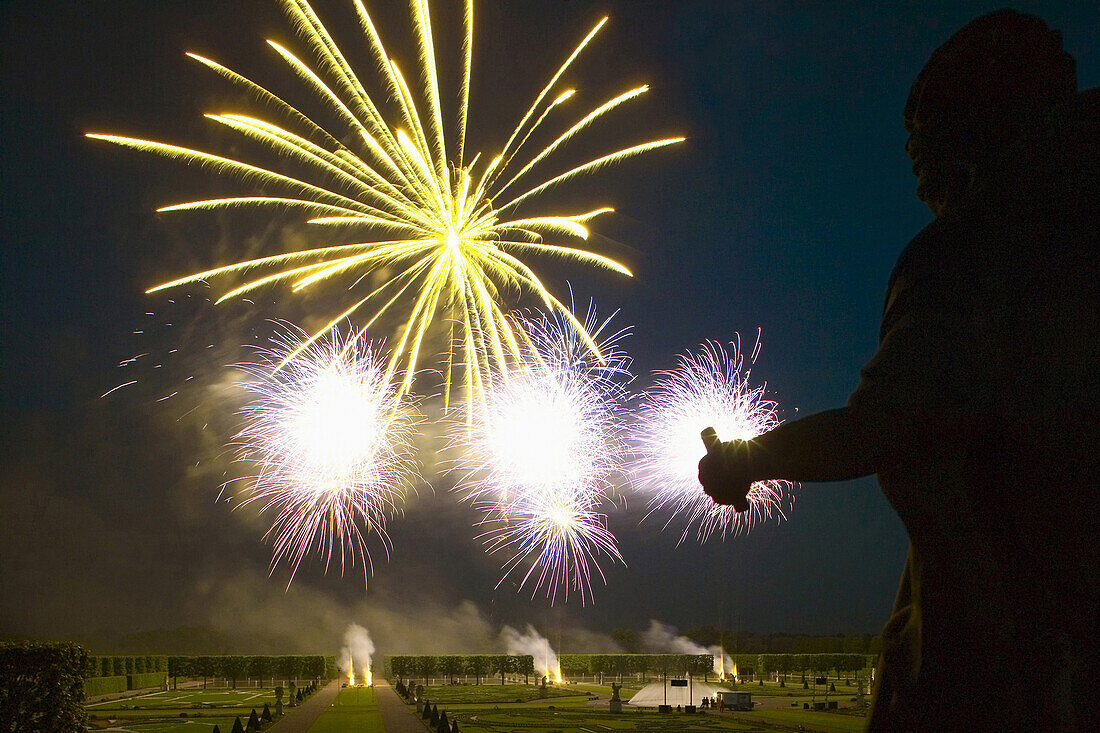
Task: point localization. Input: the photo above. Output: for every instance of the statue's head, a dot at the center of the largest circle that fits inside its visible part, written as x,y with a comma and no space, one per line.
992,83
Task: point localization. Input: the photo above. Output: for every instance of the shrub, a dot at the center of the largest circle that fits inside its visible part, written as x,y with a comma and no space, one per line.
42,686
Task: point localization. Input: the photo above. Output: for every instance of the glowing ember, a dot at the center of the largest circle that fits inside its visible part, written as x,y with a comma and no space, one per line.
708,389
540,458
332,441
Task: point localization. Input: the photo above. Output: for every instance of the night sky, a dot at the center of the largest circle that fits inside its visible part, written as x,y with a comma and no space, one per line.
784,211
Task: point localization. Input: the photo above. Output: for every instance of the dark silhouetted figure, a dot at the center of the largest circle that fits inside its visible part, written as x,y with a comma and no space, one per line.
980,412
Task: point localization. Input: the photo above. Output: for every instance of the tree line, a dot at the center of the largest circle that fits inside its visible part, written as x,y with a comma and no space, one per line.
105,666
700,665
261,667
745,642
480,666
423,666
817,664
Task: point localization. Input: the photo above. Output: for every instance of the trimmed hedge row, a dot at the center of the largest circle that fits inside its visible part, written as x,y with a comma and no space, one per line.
423,666
102,666
703,664
618,664
104,685
819,664
41,686
234,667
122,683
149,679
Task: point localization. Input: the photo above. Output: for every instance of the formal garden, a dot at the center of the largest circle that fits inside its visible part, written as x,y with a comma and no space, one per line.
487,693
196,709
47,686
61,687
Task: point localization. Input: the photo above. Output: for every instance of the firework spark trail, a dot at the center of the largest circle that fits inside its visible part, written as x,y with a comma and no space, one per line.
332,440
539,459
452,246
708,389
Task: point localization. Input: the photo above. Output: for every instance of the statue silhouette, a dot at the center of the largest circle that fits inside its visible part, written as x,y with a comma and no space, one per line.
980,412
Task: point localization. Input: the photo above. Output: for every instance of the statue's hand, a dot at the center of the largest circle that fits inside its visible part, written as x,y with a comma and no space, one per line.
723,471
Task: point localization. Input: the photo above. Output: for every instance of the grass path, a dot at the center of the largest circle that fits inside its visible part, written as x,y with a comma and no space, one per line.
353,709
299,719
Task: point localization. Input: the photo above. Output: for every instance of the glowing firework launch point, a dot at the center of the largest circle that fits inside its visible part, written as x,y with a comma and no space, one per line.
416,207
332,441
708,389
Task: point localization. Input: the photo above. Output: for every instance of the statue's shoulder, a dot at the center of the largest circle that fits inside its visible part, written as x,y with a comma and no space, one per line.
932,251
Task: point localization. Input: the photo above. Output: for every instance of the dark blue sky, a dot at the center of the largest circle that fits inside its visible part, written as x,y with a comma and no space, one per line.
785,210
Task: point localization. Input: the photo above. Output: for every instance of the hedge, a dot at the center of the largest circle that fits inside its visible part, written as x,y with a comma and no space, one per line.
609,664
118,666
815,663
42,687
306,666
423,666
141,681
104,685
331,671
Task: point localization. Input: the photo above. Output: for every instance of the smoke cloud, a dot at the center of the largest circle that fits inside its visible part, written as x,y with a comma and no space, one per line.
535,644
358,650
661,637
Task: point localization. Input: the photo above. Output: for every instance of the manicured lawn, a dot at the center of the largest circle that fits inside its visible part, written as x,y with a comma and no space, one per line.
533,720
354,709
204,725
464,694
628,690
793,688
576,713
185,699
811,720
180,711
